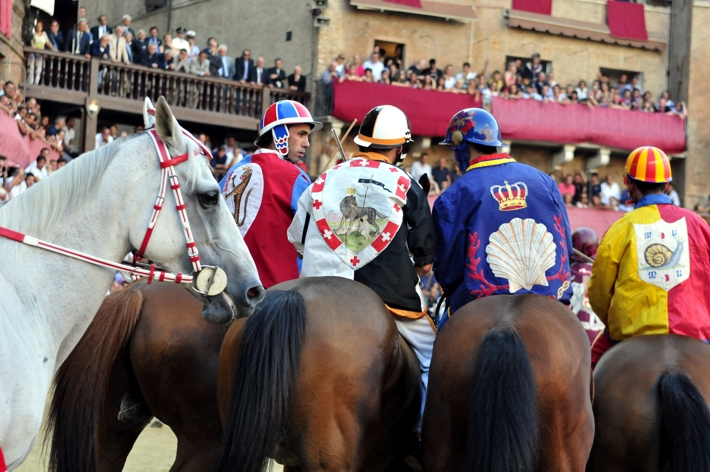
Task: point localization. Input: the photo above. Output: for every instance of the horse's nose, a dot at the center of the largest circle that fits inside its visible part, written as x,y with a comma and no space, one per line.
254,295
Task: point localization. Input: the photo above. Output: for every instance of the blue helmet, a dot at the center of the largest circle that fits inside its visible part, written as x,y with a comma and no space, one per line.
471,125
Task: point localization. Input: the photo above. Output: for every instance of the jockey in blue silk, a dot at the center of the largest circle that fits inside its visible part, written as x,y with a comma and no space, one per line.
501,228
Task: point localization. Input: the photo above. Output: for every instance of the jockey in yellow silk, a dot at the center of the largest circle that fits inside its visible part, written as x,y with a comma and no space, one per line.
652,267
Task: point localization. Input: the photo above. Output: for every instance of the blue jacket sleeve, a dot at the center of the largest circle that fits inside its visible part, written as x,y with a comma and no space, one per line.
449,258
299,186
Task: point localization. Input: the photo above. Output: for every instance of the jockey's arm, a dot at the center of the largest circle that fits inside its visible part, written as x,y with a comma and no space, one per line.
422,271
451,244
605,272
421,240
297,230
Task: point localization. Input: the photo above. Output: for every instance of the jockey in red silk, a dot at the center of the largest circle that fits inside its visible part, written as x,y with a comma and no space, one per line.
363,219
502,227
262,190
651,271
585,241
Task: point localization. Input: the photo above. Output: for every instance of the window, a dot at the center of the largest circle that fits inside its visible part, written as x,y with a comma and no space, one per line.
615,74
658,3
546,65
391,50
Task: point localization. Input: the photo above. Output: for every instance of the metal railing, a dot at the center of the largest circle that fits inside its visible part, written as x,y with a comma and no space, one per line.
133,82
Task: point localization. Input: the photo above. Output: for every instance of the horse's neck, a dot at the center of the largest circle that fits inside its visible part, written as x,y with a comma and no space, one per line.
61,294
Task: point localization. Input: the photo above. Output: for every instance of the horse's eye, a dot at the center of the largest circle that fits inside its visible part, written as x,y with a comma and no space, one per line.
209,198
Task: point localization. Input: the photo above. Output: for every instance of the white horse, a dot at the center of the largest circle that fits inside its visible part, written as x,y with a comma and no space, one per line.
100,205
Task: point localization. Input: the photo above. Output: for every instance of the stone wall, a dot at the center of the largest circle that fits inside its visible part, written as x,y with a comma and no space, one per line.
247,24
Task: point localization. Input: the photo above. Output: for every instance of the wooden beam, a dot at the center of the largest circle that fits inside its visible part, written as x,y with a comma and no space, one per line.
679,52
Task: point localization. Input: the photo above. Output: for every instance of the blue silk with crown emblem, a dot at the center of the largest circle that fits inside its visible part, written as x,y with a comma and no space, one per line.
502,228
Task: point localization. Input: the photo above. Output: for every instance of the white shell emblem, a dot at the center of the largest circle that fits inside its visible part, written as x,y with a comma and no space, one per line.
521,251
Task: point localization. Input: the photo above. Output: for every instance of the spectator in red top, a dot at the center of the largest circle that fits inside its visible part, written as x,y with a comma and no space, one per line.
567,189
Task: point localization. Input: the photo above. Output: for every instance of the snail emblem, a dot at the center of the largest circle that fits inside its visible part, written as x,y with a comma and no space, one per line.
660,256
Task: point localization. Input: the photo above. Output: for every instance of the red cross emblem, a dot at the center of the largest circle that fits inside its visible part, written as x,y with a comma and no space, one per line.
354,261
317,204
396,208
393,169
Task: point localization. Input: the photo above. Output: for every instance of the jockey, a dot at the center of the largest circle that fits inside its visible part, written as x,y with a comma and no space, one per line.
651,271
369,221
585,241
263,189
502,227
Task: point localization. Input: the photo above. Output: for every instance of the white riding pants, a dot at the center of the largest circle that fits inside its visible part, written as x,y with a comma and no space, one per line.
420,336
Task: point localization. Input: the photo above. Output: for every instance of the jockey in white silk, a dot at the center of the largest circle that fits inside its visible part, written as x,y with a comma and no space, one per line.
369,221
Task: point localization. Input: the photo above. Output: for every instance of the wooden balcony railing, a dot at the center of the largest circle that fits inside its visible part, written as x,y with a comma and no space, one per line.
134,82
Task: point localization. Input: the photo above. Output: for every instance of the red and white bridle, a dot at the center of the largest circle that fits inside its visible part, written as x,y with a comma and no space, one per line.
206,280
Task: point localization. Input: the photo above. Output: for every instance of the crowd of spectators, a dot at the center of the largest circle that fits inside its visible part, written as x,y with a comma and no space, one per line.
520,81
179,52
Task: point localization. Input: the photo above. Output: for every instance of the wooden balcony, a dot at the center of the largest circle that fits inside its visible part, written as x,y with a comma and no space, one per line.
69,78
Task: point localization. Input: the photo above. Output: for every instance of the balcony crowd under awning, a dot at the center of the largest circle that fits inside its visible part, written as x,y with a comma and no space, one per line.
429,113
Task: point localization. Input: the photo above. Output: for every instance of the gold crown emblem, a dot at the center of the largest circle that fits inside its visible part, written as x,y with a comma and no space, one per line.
510,197
350,191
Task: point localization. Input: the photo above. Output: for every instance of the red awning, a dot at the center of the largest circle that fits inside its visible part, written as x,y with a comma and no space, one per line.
530,120
6,17
543,7
20,150
429,111
626,20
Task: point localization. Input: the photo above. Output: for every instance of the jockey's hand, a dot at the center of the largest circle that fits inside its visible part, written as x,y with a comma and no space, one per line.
422,271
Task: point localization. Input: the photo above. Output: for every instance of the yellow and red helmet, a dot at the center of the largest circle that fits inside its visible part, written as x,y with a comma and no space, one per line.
649,164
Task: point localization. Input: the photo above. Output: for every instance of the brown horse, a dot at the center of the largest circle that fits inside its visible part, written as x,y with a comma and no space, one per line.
147,353
509,389
650,406
319,378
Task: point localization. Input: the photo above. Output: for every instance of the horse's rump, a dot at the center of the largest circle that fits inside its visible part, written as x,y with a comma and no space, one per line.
528,338
342,393
650,406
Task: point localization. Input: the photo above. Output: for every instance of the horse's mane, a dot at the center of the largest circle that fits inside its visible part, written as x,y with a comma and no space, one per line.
47,204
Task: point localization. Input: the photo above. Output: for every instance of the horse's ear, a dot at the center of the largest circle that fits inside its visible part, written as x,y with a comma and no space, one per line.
148,114
167,126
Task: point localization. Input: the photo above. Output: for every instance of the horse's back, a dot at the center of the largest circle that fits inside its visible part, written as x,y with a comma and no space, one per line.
626,404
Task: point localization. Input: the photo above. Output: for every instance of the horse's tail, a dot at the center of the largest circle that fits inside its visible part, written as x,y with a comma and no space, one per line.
269,358
503,433
685,423
80,383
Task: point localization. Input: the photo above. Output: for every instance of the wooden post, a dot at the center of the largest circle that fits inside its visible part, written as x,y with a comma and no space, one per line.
265,99
679,49
90,127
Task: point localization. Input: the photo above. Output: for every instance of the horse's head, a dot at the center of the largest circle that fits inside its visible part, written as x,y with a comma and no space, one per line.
218,239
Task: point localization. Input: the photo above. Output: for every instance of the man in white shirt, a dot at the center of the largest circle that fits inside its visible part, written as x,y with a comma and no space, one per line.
375,66
421,167
69,134
610,192
39,167
103,138
180,42
18,189
260,74
466,76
